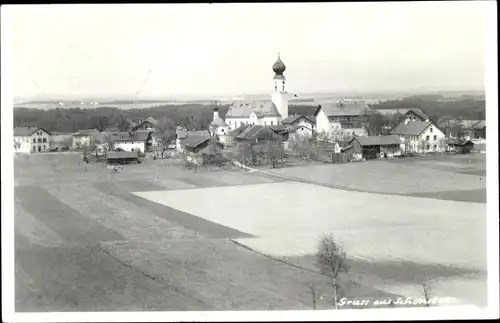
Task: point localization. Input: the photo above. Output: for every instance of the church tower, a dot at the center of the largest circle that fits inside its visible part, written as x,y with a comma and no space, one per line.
280,96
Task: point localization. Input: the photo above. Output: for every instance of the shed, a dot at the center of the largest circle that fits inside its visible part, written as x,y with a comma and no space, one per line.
122,157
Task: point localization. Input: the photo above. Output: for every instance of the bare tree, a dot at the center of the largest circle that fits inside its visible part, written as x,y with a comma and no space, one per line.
165,132
331,261
122,123
313,294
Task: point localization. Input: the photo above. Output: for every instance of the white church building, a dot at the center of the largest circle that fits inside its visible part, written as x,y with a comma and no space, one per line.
262,112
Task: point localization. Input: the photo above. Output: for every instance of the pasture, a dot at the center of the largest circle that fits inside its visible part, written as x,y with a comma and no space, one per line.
157,236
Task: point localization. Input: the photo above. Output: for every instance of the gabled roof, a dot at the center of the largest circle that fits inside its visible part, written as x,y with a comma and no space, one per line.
294,118
243,109
183,133
129,136
479,125
213,148
297,127
303,109
412,128
258,132
151,120
27,131
85,132
338,109
377,140
279,128
194,141
239,130
419,113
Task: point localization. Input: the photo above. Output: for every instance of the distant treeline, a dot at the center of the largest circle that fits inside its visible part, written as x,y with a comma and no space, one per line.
466,108
194,116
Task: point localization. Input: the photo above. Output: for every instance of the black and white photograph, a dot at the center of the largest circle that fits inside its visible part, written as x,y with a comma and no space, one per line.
249,161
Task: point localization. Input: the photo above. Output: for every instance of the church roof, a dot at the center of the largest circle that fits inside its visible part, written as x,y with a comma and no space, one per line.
243,109
219,122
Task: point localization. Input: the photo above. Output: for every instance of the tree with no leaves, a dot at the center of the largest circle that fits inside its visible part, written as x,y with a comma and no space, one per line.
427,293
122,123
331,261
165,132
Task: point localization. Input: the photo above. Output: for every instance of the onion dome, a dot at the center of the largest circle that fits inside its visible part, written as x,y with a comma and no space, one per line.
279,67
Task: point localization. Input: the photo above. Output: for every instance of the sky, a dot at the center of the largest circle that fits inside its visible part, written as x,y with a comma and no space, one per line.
174,50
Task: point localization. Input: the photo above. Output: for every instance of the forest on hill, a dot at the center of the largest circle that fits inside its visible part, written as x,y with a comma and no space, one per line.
199,116
437,108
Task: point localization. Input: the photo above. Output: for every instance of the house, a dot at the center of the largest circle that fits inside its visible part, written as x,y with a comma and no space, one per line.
31,139
130,141
371,147
341,119
219,128
471,129
420,136
60,140
301,131
416,114
182,135
200,149
87,137
146,124
461,146
255,134
300,120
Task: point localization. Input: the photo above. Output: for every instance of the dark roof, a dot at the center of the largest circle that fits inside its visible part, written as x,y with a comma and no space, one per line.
121,154
258,132
239,109
294,118
419,113
278,128
194,141
27,131
151,120
239,130
85,132
458,142
130,136
183,133
378,140
303,109
337,109
412,128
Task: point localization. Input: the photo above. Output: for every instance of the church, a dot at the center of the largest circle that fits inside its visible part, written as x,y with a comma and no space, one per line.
263,113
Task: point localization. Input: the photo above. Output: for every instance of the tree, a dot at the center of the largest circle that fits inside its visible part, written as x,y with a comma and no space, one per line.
427,291
373,122
331,261
165,132
122,123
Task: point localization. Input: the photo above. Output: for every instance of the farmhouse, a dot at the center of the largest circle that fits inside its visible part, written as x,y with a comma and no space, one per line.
130,141
471,129
257,134
146,124
182,135
341,118
371,147
31,139
87,137
262,112
414,114
420,136
200,149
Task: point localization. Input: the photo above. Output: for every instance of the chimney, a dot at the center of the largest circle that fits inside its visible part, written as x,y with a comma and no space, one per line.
216,113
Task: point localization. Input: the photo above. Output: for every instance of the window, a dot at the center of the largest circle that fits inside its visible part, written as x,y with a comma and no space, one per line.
427,138
34,140
39,139
435,147
431,129
427,147
222,130
44,139
271,123
435,137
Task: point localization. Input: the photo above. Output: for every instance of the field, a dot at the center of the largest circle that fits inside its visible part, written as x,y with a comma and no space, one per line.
159,237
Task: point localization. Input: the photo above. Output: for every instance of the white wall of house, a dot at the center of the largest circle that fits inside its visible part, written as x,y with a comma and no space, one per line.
322,122
22,144
40,141
303,132
271,121
431,139
130,145
222,130
236,122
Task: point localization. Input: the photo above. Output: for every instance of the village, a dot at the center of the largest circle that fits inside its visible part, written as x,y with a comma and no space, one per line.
265,133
